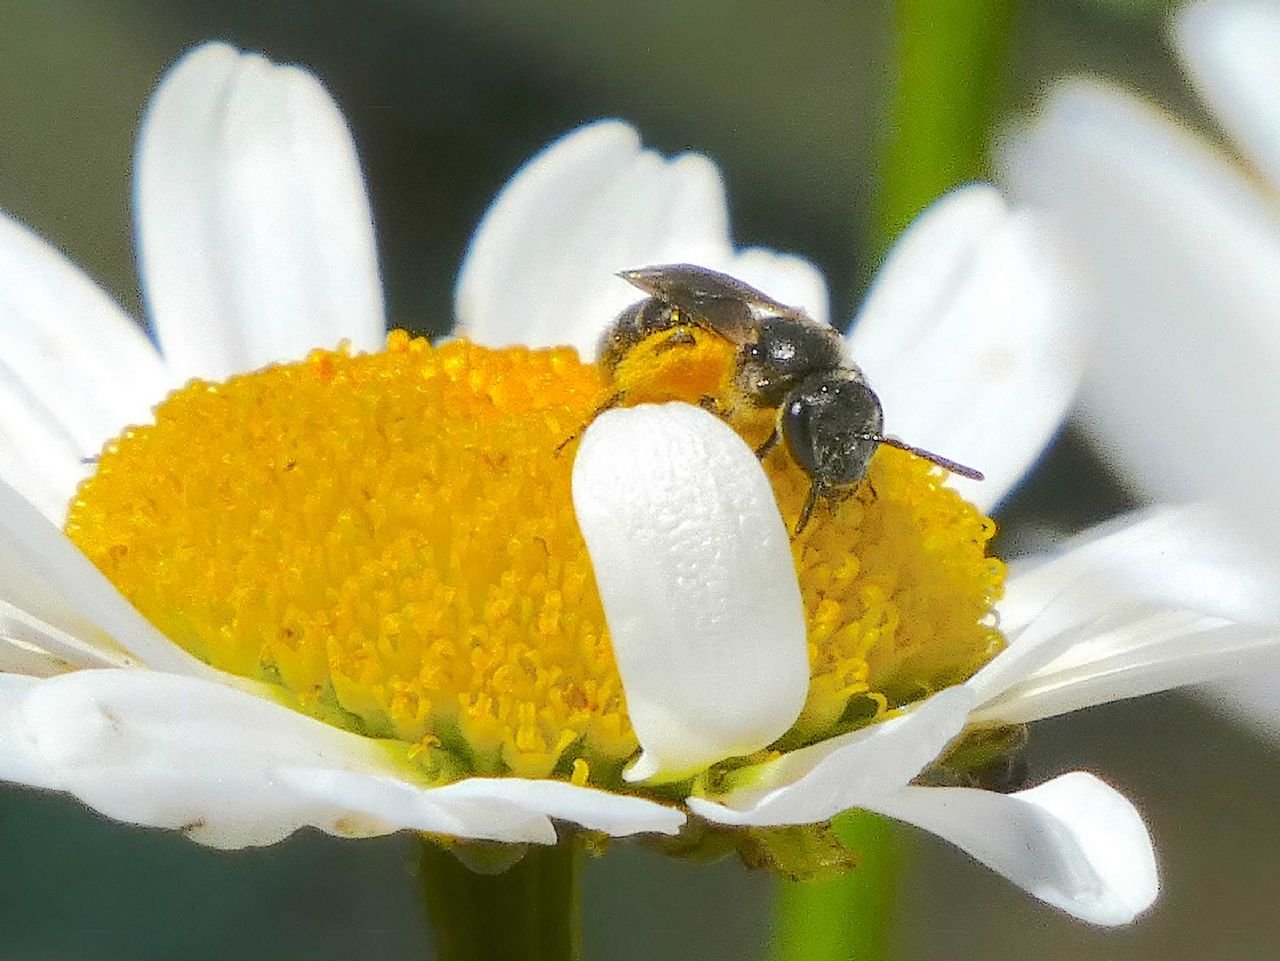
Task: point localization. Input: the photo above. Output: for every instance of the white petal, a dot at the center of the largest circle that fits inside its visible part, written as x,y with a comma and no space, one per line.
74,369
1251,699
393,803
173,752
38,458
18,763
618,815
1183,375
232,769
1073,842
497,809
1229,46
1194,557
540,269
927,264
22,658
787,278
1159,599
816,783
44,575
973,336
30,646
255,234
1147,654
694,568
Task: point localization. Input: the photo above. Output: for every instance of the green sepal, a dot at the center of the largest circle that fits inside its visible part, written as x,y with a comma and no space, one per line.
991,758
804,852
801,852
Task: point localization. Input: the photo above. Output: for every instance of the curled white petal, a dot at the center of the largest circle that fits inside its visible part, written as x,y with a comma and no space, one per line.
974,338
1229,46
44,575
255,234
1073,842
816,783
694,568
74,370
1187,340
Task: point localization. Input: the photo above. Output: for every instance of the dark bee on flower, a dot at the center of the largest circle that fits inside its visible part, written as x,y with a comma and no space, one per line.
829,417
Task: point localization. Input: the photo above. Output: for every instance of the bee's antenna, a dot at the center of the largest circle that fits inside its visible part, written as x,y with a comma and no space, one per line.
943,462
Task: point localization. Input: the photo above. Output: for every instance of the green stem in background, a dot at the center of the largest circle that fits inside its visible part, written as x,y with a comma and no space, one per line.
949,61
529,912
850,918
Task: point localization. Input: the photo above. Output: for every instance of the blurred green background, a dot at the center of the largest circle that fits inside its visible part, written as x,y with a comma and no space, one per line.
446,98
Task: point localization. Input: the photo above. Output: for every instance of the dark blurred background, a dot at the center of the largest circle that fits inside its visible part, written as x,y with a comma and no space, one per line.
446,98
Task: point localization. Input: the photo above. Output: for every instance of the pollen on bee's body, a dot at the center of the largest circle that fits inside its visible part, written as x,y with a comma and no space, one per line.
390,538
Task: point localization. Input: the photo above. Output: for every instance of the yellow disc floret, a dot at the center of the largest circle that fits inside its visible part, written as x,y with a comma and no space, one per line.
390,538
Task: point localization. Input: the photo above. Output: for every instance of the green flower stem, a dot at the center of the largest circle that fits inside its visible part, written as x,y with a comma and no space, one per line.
529,912
852,917
949,60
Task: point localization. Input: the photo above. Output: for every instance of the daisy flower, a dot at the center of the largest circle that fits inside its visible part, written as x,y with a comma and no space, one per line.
369,589
1182,243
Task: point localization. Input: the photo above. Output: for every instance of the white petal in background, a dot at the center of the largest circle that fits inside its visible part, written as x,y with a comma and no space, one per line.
541,267
1180,392
694,567
975,338
787,278
256,239
231,769
1229,47
74,370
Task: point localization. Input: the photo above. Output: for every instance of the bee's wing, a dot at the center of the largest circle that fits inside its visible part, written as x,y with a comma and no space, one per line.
723,303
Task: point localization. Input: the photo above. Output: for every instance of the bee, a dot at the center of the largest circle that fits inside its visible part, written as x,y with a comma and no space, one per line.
827,414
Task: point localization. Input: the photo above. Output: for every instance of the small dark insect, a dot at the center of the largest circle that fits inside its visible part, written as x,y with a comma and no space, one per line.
828,415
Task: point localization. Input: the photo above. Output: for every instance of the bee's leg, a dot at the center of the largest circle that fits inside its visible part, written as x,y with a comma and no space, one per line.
816,490
609,404
765,449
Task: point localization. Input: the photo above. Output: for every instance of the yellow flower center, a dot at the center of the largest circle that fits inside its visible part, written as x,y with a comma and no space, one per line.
390,538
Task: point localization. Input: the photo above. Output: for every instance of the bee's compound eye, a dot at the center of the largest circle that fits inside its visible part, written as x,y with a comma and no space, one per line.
830,423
